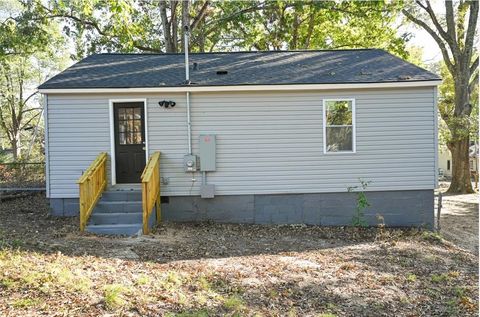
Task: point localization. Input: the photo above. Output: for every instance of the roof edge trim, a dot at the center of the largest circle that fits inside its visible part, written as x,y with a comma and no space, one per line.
424,83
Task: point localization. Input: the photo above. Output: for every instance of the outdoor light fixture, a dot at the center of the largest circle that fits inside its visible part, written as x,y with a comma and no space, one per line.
167,104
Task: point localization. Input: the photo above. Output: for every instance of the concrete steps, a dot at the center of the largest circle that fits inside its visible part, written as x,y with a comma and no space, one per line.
118,212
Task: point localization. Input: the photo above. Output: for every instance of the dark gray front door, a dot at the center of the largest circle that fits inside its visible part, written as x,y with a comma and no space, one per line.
129,120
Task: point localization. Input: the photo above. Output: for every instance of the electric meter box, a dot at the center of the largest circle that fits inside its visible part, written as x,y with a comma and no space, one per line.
207,150
190,163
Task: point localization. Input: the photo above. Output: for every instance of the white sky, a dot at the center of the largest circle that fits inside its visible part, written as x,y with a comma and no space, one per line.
421,38
431,52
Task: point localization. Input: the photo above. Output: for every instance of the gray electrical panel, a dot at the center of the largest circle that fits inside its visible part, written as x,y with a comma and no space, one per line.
207,144
190,163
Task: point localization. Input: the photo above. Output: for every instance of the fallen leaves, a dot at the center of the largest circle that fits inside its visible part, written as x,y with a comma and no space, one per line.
219,269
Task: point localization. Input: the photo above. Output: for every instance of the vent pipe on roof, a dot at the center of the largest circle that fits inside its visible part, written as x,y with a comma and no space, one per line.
187,82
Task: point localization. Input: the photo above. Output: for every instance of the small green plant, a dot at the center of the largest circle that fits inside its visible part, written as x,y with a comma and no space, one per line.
143,280
234,303
411,278
439,278
432,236
113,296
25,303
358,219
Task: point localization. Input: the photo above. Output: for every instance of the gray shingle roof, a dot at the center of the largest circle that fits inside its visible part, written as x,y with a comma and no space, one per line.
244,68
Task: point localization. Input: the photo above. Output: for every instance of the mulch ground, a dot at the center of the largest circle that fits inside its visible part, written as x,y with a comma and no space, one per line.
48,268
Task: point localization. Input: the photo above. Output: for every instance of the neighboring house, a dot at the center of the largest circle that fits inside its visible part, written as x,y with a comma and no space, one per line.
279,137
445,160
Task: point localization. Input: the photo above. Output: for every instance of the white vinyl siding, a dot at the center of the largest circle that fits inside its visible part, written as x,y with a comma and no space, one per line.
267,142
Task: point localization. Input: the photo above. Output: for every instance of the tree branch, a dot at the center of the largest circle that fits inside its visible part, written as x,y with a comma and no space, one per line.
435,36
473,83
474,66
29,120
449,15
472,26
200,16
446,36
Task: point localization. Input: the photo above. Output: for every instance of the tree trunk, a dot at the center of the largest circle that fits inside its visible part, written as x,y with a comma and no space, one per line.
459,145
461,182
15,144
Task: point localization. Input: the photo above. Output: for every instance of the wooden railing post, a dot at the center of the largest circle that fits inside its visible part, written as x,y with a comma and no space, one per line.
151,190
91,184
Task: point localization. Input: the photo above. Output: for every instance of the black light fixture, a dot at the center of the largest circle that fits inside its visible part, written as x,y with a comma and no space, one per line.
166,104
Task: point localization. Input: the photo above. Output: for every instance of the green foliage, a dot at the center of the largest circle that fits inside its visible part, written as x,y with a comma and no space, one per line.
358,219
32,48
234,303
455,127
113,296
136,26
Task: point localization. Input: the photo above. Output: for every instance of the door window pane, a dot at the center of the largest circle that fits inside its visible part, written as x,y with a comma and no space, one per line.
130,125
129,113
121,138
137,113
121,114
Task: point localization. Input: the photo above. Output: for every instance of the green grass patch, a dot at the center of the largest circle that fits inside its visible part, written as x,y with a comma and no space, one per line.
234,303
439,278
411,278
142,280
25,303
113,296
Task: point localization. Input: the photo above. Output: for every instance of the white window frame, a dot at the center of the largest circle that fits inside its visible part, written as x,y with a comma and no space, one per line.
354,126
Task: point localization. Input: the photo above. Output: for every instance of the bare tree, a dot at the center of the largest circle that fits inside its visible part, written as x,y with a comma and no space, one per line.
455,36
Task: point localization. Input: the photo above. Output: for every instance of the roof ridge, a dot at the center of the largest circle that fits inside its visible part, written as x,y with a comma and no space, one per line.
247,52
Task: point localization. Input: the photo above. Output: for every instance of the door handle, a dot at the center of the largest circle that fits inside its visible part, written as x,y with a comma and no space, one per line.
143,148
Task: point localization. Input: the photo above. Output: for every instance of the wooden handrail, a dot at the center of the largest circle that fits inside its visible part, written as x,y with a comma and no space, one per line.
151,190
91,184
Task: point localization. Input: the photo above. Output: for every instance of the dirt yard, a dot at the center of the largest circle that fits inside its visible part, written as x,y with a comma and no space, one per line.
48,268
459,219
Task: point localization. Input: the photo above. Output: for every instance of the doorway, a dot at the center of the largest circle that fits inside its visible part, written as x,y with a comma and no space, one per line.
129,136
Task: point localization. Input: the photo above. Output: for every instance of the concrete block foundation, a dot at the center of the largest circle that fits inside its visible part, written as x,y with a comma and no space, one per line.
398,208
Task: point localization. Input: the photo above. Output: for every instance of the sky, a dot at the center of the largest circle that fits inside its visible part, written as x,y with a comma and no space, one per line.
421,38
431,52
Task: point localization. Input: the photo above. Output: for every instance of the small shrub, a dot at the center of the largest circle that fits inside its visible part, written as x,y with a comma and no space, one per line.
432,236
358,219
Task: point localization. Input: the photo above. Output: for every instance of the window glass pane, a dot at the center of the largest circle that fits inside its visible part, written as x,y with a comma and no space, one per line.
339,139
339,112
129,113
137,138
121,114
129,138
122,126
130,126
138,113
122,139
137,126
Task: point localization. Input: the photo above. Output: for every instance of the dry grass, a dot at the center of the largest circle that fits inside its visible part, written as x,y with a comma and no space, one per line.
182,270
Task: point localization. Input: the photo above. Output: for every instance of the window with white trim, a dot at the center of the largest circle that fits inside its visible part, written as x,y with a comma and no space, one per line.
339,125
